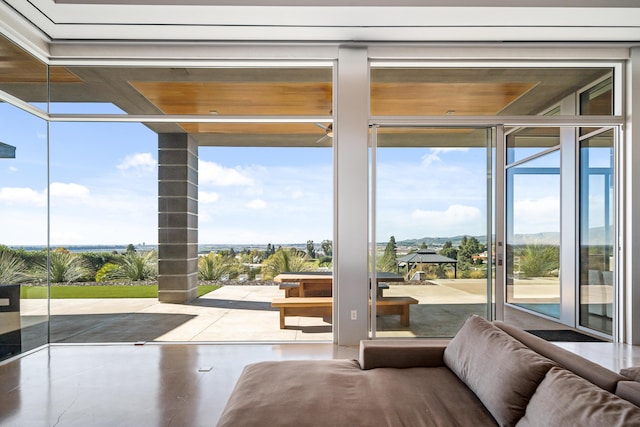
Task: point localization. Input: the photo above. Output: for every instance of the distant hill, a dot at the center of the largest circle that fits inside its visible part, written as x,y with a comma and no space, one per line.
549,238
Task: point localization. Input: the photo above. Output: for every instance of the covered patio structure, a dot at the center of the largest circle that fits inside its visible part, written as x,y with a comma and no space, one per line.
426,256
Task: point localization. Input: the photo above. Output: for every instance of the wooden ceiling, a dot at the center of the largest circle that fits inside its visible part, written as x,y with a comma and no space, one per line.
284,91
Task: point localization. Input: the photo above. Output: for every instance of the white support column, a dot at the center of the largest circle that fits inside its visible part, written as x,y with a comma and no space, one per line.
569,218
630,288
350,262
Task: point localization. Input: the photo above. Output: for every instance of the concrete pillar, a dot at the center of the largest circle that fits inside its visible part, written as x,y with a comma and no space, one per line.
177,218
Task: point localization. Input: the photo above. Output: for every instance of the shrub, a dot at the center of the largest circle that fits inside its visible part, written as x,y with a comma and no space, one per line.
106,271
12,268
215,266
65,266
539,260
133,266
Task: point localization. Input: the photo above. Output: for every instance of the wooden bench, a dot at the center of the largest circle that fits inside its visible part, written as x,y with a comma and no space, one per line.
322,306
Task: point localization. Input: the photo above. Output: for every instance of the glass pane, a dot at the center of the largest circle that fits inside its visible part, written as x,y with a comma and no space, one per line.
104,213
431,223
474,91
597,100
523,143
597,232
202,91
24,313
265,216
24,76
533,234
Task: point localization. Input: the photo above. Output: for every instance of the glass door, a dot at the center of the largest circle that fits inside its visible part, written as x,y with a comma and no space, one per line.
560,227
533,193
432,261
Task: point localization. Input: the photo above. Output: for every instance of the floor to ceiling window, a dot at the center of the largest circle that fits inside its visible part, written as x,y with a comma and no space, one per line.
24,312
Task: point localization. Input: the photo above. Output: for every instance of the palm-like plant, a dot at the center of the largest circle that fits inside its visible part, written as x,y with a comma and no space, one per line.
65,266
134,266
285,260
12,268
215,266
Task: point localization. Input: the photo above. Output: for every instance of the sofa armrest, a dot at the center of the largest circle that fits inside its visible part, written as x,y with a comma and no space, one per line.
402,353
629,390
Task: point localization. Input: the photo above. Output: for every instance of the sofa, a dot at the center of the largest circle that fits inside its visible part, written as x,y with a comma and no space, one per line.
490,373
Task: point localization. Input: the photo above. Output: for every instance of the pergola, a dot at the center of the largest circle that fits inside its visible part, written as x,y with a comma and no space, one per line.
427,256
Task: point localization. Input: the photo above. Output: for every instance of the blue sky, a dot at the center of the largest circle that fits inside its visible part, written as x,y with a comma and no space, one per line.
104,189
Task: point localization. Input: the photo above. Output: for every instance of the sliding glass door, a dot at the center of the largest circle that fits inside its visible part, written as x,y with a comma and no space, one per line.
432,258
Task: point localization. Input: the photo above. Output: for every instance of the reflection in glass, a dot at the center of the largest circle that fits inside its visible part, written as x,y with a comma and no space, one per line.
597,232
533,232
24,313
597,100
431,227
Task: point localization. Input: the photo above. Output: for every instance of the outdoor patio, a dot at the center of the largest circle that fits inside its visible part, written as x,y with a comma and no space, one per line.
243,313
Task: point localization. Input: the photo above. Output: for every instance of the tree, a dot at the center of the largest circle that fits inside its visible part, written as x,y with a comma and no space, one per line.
311,250
467,249
130,248
283,260
270,250
327,247
423,245
448,250
389,260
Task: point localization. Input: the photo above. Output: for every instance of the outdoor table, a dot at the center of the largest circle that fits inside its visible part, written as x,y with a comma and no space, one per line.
319,284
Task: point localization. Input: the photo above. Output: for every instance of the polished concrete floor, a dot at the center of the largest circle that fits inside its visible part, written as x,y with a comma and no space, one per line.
134,385
164,384
155,378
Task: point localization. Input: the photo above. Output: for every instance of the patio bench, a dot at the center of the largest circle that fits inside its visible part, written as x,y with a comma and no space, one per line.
322,306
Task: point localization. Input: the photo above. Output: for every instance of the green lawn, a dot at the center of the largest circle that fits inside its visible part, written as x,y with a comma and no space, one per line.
60,292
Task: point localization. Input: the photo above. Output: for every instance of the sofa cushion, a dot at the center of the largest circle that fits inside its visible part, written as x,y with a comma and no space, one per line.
597,374
565,399
321,393
632,372
499,369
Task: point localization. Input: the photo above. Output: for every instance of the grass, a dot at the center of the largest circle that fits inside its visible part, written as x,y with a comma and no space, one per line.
65,291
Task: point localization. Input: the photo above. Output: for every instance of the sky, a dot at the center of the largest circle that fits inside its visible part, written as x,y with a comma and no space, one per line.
104,189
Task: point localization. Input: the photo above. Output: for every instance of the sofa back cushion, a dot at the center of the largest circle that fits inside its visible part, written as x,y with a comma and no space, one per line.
597,374
565,399
499,369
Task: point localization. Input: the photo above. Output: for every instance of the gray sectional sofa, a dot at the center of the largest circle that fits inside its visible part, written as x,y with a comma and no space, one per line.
488,374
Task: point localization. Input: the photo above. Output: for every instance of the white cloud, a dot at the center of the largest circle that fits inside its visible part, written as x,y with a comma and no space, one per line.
297,194
434,154
13,169
143,162
207,197
68,191
537,215
256,204
22,196
213,174
455,214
